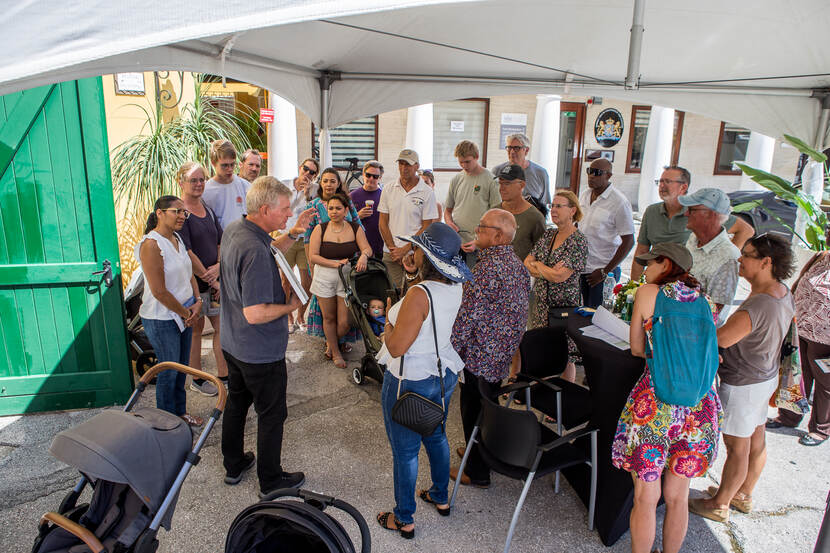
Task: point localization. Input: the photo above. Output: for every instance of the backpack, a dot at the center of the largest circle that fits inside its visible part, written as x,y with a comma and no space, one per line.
684,358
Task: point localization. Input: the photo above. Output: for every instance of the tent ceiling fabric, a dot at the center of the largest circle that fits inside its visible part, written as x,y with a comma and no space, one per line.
395,54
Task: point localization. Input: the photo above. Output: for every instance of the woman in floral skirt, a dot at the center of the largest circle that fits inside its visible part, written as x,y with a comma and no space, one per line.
652,436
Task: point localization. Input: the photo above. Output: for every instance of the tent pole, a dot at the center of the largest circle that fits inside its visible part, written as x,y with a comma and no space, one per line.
635,46
821,131
326,78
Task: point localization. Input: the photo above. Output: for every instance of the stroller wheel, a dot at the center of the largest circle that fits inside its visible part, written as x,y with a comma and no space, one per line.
357,376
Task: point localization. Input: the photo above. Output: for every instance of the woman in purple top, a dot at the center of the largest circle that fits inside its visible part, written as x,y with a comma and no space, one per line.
201,234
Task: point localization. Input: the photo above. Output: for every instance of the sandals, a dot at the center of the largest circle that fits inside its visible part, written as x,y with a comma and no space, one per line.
743,505
424,495
340,363
696,506
193,420
383,520
810,440
346,347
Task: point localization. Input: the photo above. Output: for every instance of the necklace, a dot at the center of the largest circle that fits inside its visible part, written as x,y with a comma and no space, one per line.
342,226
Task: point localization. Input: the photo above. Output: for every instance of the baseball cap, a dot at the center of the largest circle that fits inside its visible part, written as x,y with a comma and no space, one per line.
511,172
409,156
676,252
713,198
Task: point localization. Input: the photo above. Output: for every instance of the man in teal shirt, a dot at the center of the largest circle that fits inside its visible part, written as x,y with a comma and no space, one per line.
666,221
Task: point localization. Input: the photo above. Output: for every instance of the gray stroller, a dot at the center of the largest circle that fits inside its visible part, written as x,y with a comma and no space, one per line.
136,461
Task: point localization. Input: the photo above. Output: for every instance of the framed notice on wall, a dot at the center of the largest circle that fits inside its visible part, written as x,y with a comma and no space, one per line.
129,84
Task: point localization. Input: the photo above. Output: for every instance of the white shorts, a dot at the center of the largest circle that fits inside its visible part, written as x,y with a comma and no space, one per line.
326,282
745,407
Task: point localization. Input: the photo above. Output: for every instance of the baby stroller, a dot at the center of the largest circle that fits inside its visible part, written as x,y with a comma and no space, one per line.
141,350
136,461
272,526
373,283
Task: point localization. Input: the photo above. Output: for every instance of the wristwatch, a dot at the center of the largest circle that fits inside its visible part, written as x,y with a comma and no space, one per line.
603,272
294,238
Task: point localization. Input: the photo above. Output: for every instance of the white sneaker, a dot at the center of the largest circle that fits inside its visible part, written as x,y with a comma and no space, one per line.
206,388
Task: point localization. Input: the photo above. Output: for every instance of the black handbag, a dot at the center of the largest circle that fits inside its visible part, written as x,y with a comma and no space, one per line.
558,317
414,411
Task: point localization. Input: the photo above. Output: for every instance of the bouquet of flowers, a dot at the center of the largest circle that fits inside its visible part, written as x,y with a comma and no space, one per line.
621,291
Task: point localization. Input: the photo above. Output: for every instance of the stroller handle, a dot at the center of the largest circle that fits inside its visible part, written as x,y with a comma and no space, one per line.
75,529
155,369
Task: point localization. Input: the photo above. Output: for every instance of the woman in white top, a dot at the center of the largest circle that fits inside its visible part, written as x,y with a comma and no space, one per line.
409,353
170,303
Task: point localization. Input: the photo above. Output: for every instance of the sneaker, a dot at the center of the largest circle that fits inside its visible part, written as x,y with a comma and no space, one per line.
206,388
288,480
292,328
234,478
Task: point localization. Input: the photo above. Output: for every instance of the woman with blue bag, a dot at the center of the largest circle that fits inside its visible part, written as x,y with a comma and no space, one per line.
669,428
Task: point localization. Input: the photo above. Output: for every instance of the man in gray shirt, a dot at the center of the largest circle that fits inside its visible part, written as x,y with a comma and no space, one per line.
254,333
537,182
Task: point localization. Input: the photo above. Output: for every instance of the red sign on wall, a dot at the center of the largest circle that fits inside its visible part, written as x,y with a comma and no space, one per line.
266,115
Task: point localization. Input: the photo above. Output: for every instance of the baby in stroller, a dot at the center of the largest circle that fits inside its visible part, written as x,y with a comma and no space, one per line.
376,315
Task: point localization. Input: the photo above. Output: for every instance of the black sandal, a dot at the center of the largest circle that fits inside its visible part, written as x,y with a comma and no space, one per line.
383,520
424,495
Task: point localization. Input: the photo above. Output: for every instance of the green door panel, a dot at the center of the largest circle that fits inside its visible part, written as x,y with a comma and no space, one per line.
62,333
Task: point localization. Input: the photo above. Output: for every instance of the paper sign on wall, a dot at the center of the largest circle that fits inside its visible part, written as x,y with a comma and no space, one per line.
266,115
514,119
456,126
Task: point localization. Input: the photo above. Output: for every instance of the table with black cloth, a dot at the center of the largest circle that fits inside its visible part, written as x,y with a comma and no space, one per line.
612,374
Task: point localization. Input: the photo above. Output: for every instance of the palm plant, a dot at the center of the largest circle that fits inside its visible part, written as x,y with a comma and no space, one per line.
816,219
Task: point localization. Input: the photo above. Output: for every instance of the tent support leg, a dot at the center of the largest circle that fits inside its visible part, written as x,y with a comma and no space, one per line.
821,131
635,46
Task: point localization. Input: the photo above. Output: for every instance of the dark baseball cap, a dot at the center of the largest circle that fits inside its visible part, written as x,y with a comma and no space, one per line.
511,172
676,252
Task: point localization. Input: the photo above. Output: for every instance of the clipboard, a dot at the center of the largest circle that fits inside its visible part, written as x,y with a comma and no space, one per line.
285,268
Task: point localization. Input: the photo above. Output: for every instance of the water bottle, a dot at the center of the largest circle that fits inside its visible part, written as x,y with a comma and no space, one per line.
608,292
628,308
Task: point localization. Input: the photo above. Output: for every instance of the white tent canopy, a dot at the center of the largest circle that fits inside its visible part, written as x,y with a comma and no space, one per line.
761,64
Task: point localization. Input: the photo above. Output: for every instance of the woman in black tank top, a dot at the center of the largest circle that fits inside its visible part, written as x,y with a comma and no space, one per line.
330,247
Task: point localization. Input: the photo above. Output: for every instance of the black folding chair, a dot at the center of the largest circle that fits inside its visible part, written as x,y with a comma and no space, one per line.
514,443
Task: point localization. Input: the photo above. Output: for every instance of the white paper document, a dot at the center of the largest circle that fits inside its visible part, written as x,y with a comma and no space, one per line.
282,263
608,328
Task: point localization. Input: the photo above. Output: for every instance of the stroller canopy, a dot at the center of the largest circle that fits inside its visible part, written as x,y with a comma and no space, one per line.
144,449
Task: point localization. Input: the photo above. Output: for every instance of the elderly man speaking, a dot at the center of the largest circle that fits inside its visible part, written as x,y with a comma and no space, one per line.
489,325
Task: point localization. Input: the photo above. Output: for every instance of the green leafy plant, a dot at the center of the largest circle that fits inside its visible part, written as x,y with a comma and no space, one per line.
144,166
816,220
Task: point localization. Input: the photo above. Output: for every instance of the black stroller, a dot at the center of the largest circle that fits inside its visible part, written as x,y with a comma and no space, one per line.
141,351
136,461
272,526
373,283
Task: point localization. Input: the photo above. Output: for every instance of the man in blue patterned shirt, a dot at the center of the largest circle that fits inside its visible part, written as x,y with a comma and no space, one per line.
489,325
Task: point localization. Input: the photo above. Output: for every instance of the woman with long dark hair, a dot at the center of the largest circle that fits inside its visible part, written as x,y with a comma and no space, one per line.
663,445
170,303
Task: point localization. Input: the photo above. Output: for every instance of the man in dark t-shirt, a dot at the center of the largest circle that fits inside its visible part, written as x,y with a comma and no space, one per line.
366,200
254,333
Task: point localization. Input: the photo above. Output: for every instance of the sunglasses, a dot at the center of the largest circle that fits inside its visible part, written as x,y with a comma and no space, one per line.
372,175
514,148
311,172
594,172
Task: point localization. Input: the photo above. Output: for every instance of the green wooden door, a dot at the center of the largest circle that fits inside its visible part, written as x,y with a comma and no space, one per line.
63,342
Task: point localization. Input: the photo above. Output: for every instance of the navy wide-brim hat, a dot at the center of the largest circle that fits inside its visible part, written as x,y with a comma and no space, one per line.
442,245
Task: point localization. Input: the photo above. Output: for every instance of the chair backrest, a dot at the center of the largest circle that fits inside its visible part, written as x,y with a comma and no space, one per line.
544,352
509,435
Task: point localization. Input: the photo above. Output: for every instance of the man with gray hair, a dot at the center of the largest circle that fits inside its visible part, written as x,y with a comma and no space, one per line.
537,182
714,257
251,165
489,325
254,333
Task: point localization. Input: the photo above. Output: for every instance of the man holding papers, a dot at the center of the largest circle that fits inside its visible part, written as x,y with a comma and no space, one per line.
254,333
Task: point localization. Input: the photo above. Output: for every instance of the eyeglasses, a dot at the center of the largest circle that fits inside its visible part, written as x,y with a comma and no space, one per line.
750,255
514,148
478,226
692,209
178,211
560,206
371,175
667,182
594,172
196,181
311,172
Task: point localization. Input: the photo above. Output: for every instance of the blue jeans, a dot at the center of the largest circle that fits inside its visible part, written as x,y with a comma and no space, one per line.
406,444
592,295
169,345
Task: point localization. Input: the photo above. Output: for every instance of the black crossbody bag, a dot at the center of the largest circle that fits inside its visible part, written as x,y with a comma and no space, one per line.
414,411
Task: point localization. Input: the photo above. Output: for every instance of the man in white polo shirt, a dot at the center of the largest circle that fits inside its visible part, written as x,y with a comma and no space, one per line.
406,207
608,225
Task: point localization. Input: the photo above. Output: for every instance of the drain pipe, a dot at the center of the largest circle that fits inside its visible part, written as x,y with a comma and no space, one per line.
635,46
821,131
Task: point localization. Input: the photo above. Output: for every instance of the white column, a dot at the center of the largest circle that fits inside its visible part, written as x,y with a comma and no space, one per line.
656,154
759,154
282,139
544,144
325,149
419,133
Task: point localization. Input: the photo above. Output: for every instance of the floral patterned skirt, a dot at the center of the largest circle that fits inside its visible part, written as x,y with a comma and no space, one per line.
314,323
652,435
